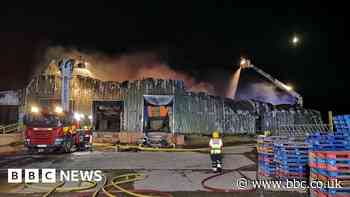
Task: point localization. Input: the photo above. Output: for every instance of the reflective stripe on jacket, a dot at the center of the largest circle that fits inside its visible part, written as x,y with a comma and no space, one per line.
215,146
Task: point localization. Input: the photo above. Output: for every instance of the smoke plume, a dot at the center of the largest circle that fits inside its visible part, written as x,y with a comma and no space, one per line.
131,66
265,92
149,64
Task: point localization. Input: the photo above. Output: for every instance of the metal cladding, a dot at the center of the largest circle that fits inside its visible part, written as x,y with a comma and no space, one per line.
192,112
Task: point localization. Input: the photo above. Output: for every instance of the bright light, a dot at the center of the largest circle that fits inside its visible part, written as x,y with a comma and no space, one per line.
90,117
288,87
243,61
295,40
58,109
77,116
35,109
82,116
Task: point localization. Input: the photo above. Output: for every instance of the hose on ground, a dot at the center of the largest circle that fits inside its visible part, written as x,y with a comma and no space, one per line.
151,149
59,188
215,189
128,178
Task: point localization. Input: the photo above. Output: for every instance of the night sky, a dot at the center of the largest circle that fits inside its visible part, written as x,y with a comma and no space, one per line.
202,39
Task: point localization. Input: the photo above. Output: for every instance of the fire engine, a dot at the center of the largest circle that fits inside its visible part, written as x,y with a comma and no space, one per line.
58,128
56,131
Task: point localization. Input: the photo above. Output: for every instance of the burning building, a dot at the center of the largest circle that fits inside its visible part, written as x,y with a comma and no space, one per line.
156,105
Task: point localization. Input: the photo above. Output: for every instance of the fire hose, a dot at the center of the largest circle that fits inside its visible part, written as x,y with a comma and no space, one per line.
128,178
151,149
215,189
59,188
115,183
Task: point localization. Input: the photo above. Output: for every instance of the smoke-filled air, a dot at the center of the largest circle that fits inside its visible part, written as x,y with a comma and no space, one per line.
264,92
130,66
148,64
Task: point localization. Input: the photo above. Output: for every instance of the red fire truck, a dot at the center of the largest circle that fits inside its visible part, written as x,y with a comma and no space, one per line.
56,131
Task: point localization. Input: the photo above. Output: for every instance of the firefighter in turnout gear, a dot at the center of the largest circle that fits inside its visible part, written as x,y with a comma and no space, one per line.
216,146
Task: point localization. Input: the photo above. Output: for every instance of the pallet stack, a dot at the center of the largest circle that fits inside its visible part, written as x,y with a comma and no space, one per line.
291,159
329,167
329,159
267,165
342,123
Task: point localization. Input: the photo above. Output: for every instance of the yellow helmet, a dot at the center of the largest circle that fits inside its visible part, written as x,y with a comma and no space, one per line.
216,134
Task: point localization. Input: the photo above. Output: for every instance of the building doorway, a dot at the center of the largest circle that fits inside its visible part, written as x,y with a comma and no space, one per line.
108,115
158,113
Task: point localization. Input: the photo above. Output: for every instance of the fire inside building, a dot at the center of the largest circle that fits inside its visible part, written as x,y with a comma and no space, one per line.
152,105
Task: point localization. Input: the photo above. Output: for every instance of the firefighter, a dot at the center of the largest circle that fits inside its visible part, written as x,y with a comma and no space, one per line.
216,146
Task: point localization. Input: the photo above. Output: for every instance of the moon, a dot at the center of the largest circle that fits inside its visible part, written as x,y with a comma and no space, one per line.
295,40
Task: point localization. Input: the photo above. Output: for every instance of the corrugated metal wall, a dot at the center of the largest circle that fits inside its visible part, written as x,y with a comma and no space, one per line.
193,112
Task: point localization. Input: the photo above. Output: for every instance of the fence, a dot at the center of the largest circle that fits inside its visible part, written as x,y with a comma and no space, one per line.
5,129
300,129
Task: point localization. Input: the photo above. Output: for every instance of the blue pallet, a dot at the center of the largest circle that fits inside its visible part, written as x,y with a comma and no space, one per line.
267,164
287,154
291,145
299,171
332,174
261,162
330,147
328,137
267,167
291,154
293,170
335,191
304,165
331,142
345,130
300,168
333,161
266,154
292,149
288,157
297,160
264,161
335,134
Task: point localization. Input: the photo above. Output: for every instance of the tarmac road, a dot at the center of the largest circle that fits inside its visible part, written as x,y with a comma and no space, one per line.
233,159
173,172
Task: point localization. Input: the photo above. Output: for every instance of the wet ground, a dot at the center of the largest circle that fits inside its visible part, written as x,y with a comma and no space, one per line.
180,174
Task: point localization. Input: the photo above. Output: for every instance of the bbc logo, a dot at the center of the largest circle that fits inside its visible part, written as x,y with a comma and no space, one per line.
31,175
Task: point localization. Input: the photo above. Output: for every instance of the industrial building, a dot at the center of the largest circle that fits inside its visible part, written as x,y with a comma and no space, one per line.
153,105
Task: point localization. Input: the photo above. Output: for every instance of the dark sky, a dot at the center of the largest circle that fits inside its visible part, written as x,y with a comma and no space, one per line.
203,39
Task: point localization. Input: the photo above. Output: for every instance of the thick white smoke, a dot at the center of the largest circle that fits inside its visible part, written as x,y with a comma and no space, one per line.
265,92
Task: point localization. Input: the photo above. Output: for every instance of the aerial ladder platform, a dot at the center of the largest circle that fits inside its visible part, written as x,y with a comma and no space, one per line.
245,63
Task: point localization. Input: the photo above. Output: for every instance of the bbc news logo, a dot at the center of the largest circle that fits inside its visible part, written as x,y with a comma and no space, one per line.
51,175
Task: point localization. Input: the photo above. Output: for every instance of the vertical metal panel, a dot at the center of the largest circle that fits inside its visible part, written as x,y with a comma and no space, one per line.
192,112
